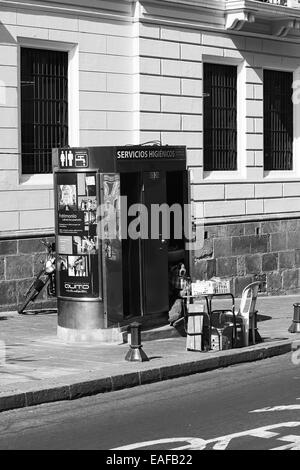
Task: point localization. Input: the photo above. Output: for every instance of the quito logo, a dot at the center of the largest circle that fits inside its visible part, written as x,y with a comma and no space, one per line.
77,287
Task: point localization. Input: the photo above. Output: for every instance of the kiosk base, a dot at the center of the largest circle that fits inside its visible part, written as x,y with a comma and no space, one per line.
108,336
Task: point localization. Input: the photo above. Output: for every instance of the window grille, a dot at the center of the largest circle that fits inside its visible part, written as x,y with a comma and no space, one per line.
220,117
44,107
278,120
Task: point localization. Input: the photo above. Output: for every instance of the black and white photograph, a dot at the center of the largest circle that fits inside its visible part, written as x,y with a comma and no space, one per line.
150,228
67,198
85,244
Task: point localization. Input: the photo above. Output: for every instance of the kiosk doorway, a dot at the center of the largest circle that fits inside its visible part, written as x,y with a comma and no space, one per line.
147,260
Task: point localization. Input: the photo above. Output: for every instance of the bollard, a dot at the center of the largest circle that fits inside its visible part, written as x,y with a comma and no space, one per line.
136,353
295,326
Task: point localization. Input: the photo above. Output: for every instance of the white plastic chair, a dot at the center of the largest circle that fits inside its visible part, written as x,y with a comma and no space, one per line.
247,311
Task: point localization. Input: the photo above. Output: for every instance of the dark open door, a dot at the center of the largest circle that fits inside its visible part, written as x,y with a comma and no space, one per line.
155,285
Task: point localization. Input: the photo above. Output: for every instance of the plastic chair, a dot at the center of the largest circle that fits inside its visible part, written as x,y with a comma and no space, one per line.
247,312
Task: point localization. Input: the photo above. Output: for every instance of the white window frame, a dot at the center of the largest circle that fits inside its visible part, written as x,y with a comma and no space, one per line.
43,180
295,172
240,172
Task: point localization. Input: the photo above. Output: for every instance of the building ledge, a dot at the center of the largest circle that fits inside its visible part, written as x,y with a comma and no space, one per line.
282,17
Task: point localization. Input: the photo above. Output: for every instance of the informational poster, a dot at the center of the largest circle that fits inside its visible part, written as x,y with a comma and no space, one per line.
77,243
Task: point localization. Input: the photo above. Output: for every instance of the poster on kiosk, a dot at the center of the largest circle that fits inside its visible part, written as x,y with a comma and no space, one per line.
78,247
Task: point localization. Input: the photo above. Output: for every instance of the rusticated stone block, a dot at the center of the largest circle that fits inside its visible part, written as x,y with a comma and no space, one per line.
22,287
235,230
274,282
227,267
297,258
19,267
222,247
262,278
8,293
216,231
31,245
290,279
8,247
286,259
271,226
1,269
251,228
253,264
270,262
293,240
241,245
240,283
259,244
290,225
241,268
38,261
204,269
278,241
207,249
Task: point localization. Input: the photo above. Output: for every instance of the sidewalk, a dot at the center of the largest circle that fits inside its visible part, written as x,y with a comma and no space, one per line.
36,367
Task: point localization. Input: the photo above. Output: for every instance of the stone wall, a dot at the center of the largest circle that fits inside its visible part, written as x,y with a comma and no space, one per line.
19,263
244,252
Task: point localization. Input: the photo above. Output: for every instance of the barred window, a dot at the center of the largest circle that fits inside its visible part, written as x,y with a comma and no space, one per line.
220,117
278,120
44,107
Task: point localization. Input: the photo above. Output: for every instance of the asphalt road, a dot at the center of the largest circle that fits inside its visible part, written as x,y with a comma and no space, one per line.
229,408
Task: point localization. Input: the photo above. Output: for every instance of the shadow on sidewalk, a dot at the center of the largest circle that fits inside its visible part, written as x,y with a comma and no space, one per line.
47,311
261,317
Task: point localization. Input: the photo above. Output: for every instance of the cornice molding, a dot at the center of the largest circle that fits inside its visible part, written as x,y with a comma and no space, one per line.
106,9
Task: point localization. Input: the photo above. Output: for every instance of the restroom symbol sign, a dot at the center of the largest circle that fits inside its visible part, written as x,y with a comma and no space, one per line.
81,160
71,159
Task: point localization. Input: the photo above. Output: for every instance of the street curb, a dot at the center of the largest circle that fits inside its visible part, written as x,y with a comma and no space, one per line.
72,391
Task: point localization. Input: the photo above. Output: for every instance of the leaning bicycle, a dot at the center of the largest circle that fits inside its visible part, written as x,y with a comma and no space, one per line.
45,278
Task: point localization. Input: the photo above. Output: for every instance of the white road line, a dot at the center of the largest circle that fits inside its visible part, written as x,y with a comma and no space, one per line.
220,443
293,440
277,408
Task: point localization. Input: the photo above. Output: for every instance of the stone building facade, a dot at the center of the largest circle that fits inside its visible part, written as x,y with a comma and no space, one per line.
136,74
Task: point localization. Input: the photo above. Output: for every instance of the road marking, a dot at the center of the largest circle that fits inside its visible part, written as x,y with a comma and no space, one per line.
277,408
294,443
221,443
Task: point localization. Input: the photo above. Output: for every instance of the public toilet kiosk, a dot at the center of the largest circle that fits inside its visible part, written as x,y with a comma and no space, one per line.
113,258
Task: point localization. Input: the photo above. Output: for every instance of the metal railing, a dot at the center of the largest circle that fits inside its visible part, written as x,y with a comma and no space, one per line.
275,2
